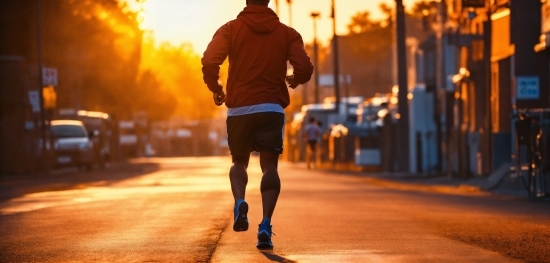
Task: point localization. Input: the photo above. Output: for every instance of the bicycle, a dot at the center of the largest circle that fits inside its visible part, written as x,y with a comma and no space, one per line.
532,152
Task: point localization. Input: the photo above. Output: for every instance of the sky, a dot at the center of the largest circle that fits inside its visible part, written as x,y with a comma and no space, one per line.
196,21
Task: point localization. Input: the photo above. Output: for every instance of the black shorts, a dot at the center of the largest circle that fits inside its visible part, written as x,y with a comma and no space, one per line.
255,132
312,144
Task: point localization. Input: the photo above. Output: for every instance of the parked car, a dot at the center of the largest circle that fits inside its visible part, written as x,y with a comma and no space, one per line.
100,124
105,132
73,146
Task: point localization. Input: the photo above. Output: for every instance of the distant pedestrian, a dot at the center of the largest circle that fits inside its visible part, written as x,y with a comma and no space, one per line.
311,134
258,46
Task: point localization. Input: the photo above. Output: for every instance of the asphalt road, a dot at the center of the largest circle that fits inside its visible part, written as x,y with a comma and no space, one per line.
179,210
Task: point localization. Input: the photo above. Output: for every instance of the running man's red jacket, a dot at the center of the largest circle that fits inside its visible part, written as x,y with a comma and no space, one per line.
258,46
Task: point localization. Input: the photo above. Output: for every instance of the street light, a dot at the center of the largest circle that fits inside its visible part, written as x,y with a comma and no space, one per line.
315,16
336,64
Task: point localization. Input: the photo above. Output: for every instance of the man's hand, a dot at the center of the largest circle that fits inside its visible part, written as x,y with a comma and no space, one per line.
291,82
219,98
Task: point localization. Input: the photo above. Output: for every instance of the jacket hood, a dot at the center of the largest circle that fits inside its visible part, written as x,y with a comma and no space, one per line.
260,19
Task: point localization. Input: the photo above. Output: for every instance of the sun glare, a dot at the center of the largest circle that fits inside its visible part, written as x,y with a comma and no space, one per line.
195,22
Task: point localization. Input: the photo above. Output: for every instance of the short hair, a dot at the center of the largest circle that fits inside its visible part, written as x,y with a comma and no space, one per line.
312,120
259,2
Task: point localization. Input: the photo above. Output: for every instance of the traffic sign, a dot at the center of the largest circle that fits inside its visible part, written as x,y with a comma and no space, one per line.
528,88
49,76
34,100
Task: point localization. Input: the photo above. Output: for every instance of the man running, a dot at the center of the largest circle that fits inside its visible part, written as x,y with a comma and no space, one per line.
258,46
311,134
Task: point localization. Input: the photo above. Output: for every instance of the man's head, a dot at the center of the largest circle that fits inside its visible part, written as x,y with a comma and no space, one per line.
257,2
311,120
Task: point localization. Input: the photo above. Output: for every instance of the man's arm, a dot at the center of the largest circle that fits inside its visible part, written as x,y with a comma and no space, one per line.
213,57
298,58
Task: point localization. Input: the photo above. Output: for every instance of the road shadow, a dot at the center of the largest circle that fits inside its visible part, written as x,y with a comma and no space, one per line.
274,257
65,179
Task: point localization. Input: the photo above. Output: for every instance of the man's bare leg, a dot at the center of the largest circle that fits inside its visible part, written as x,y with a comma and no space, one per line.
271,183
270,188
239,179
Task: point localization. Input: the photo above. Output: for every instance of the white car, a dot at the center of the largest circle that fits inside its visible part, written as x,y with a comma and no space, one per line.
73,146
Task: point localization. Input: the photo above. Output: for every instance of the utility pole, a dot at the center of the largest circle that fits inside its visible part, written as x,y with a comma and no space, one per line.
403,108
277,7
439,90
315,16
40,80
336,62
289,12
487,51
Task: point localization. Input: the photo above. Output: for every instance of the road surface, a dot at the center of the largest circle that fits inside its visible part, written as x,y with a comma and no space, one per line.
181,212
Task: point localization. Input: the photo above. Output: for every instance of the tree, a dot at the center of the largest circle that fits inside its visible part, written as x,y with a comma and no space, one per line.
96,47
361,22
106,64
156,101
388,15
367,52
423,8
178,71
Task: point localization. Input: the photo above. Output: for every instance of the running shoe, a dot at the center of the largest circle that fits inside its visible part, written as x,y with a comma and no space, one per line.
264,236
240,222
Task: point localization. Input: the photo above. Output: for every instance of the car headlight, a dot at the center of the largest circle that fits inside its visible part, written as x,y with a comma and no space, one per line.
85,146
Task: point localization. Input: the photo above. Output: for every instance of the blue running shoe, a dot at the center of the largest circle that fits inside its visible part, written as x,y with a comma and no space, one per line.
240,222
264,236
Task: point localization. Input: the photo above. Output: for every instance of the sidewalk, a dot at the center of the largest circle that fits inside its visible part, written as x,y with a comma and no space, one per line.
499,183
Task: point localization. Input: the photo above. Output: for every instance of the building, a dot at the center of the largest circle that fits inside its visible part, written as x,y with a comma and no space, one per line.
22,133
484,66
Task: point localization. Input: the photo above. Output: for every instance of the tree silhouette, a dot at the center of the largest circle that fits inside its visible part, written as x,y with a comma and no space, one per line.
366,53
361,22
